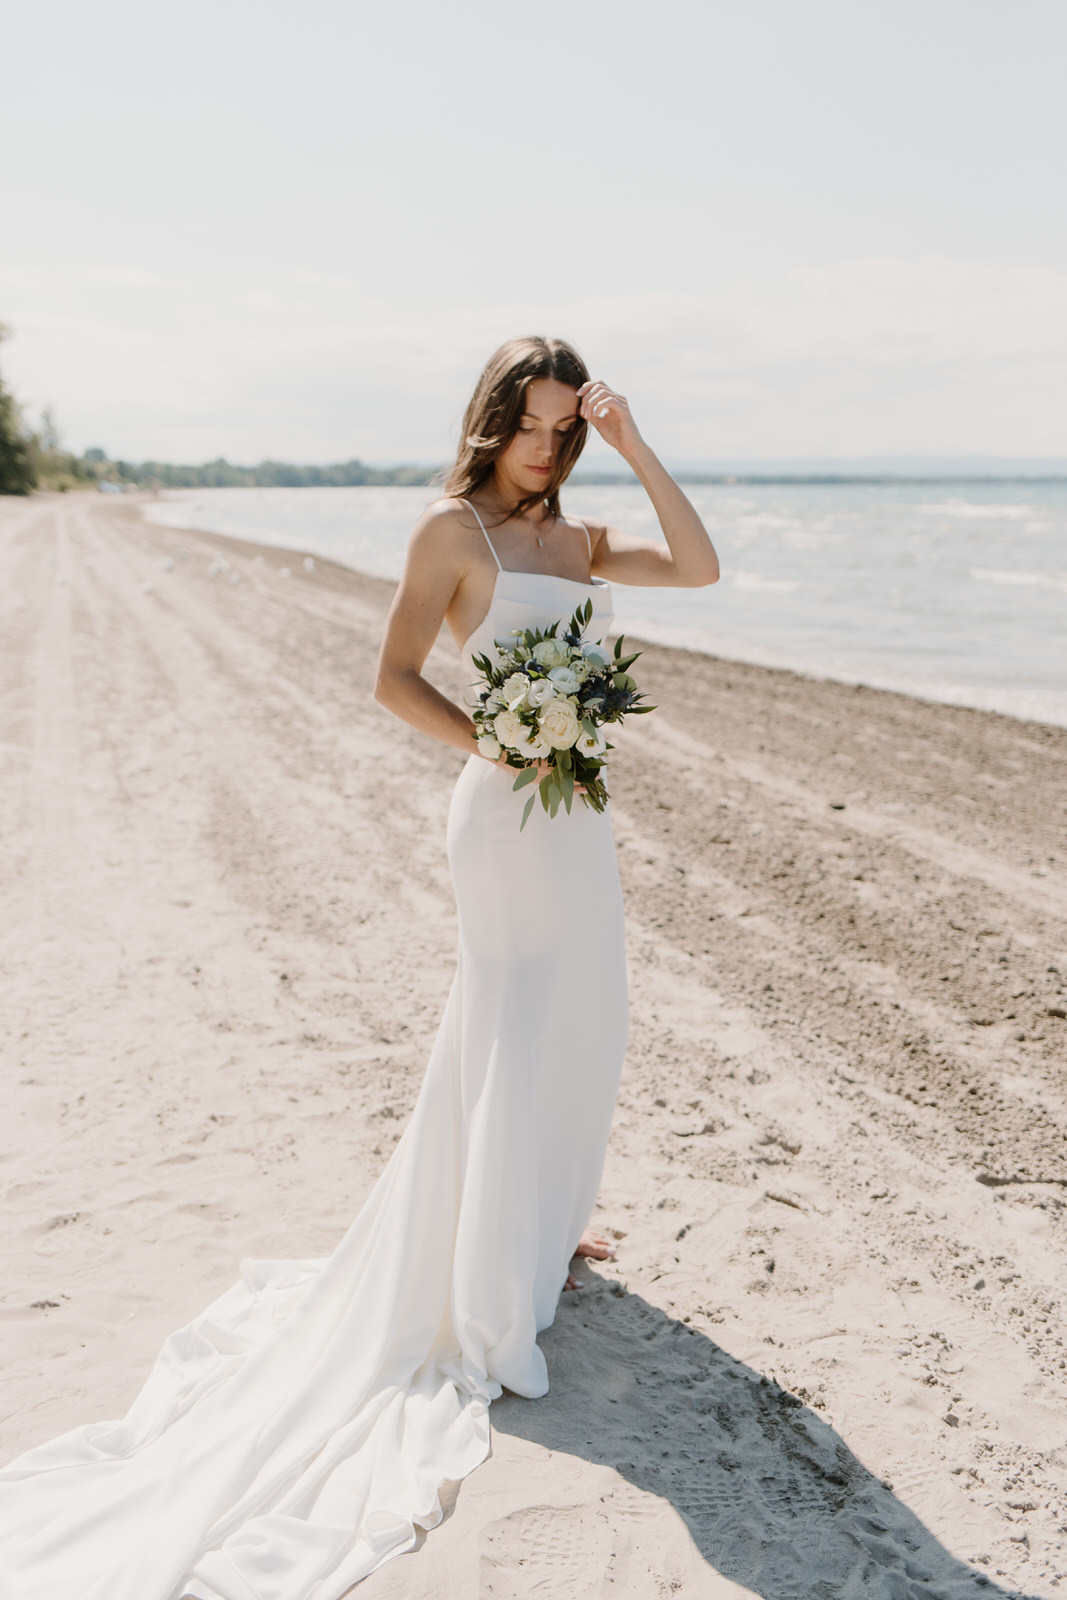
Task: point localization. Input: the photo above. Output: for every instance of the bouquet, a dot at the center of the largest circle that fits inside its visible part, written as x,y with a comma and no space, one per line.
544,702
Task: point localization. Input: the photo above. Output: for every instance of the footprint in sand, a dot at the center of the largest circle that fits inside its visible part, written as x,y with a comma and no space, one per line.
595,1550
552,1552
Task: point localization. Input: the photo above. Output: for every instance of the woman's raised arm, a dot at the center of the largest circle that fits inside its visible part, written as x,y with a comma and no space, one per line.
689,560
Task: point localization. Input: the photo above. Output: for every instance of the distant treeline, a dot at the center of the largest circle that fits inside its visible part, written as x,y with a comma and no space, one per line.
38,462
32,460
222,474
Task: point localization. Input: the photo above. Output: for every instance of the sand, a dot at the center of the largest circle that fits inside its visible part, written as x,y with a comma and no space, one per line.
830,1358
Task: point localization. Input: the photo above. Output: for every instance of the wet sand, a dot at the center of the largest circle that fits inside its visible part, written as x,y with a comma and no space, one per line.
830,1357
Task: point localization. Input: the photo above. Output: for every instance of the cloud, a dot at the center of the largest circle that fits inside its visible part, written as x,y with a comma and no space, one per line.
135,278
320,280
865,357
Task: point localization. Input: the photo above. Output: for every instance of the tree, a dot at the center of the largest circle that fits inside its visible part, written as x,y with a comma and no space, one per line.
16,469
48,433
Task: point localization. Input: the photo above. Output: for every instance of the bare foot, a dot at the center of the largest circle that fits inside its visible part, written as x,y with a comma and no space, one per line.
596,1248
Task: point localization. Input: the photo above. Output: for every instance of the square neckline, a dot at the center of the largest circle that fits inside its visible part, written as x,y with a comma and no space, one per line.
520,572
583,583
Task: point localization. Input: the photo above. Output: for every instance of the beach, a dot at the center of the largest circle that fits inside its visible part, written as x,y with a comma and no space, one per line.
831,1350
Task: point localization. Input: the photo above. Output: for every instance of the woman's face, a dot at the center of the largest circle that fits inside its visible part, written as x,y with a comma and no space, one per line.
527,463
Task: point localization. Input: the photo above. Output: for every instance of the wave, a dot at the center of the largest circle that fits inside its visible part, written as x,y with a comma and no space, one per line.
968,508
756,580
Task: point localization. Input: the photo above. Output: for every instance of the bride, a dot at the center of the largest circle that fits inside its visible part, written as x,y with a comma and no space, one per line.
293,1437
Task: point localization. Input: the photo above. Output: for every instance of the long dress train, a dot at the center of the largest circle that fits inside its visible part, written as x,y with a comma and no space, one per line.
291,1438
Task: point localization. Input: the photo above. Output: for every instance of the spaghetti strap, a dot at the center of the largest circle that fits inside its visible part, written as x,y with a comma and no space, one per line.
481,525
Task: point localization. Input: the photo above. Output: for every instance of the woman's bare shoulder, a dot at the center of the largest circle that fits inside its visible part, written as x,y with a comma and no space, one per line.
444,533
448,505
587,522
597,530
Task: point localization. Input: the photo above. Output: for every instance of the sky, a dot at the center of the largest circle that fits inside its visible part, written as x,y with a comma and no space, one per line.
782,228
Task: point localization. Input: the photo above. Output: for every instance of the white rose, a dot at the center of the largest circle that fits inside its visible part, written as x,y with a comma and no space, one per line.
508,729
533,746
488,746
540,692
596,654
559,723
581,668
565,680
513,690
551,653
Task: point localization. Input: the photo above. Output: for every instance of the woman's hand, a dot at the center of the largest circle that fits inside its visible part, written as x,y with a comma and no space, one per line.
610,415
542,766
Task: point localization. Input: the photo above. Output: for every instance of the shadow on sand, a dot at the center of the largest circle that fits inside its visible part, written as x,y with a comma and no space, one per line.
773,1498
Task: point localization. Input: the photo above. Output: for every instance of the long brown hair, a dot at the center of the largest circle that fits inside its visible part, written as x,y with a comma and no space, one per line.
496,407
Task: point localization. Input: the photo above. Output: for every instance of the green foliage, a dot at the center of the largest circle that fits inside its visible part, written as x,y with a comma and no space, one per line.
16,468
562,773
222,474
54,467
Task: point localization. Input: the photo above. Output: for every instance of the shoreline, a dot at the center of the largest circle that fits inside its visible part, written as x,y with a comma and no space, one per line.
838,1165
650,638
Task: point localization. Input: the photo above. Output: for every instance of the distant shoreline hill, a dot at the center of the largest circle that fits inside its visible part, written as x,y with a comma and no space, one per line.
831,470
827,479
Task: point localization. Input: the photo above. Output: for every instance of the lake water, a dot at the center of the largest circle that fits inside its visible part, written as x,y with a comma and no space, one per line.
955,593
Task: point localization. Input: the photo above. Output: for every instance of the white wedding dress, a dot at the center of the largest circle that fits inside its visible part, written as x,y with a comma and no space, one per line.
292,1437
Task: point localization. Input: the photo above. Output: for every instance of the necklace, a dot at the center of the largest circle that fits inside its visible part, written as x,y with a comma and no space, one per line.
540,541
